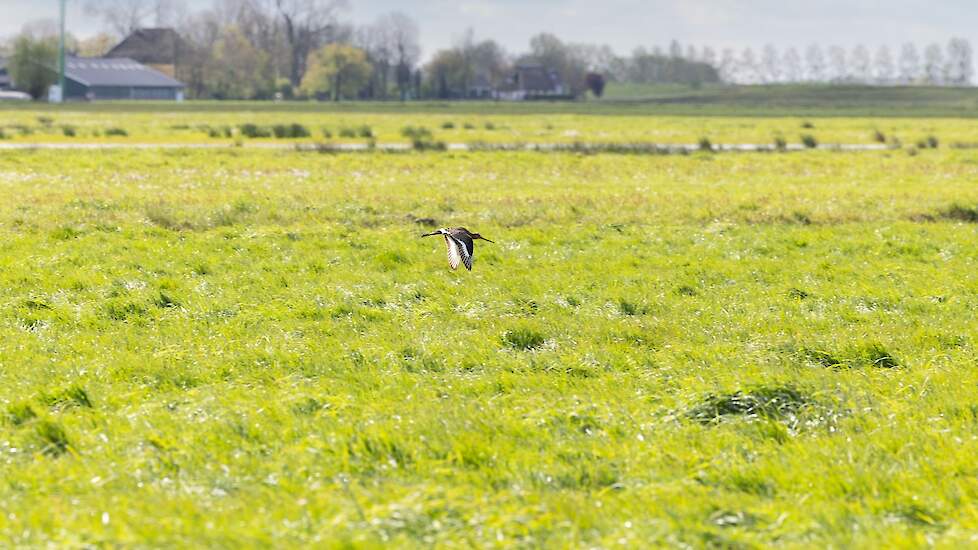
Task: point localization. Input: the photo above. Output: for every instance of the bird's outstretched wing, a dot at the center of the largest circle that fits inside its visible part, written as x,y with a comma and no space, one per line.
454,254
465,249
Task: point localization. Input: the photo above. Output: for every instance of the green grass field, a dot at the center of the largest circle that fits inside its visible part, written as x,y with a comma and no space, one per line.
255,348
630,114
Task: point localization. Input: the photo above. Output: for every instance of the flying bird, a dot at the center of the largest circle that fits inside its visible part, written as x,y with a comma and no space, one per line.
461,245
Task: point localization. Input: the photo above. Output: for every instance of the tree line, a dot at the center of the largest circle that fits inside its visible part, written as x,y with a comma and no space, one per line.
934,65
264,49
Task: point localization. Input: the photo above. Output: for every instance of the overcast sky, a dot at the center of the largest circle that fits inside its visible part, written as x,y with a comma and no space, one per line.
626,24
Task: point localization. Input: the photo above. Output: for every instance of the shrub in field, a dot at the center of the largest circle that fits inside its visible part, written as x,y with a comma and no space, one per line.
416,132
327,133
296,130
523,339
705,144
116,132
68,131
468,126
422,139
45,121
365,131
807,125
809,141
780,143
448,125
879,137
490,126
250,130
218,131
346,132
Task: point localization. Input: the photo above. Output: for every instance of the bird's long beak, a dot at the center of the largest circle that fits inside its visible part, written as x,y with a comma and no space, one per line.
485,239
430,234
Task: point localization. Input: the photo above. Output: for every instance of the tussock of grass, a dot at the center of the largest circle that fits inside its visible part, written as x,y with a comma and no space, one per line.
798,294
74,396
52,438
65,233
776,403
871,354
960,213
627,307
20,413
523,339
164,301
123,310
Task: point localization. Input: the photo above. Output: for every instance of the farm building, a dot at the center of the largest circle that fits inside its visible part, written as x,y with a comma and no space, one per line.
532,82
159,49
94,78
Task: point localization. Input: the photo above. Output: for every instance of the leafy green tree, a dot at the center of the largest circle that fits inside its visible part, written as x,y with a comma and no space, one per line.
339,70
237,68
32,64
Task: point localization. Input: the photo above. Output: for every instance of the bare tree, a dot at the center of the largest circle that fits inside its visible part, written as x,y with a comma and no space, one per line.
748,67
125,16
909,64
861,65
837,63
792,66
815,61
883,66
675,50
709,56
404,38
691,53
770,64
308,24
728,66
960,62
934,65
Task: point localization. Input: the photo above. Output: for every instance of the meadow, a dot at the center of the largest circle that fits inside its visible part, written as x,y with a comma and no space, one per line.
246,347
895,117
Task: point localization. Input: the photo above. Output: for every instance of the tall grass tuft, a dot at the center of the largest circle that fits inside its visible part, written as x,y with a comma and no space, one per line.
523,339
765,402
20,413
52,438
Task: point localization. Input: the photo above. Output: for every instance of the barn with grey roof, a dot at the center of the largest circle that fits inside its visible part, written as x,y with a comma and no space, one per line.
96,78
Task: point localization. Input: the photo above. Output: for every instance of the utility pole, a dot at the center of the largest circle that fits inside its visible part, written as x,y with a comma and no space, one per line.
61,56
